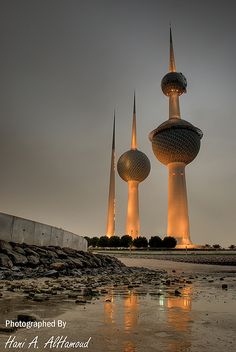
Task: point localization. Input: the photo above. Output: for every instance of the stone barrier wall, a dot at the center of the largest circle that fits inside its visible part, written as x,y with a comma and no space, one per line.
19,230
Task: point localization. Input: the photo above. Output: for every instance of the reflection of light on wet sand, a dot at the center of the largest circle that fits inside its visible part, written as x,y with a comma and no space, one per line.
109,309
183,302
174,312
130,318
178,317
129,347
130,311
127,317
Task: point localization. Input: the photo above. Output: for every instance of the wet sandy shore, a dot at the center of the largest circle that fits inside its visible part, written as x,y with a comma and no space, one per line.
180,266
221,257
184,310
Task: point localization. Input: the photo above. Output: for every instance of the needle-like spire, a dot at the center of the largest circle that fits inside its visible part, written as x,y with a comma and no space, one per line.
111,197
114,126
134,133
172,67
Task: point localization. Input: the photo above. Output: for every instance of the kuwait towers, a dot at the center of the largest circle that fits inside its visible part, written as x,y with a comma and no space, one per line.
133,167
175,144
111,196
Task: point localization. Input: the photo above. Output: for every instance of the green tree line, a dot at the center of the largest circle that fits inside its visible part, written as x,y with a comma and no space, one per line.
126,241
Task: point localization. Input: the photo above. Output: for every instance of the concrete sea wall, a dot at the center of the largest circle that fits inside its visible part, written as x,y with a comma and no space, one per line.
19,230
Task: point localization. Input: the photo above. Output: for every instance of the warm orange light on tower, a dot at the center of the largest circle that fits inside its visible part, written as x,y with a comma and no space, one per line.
133,167
110,230
176,143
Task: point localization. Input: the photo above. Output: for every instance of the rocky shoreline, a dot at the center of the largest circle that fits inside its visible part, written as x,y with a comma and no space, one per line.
18,261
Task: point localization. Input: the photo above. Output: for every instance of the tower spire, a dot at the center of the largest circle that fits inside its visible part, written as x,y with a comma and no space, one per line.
114,127
172,67
134,132
111,197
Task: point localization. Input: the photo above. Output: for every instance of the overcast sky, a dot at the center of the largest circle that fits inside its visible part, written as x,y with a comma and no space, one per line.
65,65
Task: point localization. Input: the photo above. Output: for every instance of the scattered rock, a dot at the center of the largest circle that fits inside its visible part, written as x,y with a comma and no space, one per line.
18,261
58,266
80,301
51,273
26,317
5,329
40,298
18,249
177,293
103,291
17,276
33,260
5,246
29,251
73,295
5,261
17,258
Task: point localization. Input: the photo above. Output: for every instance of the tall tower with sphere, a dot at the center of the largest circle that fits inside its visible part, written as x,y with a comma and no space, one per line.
133,167
110,229
176,143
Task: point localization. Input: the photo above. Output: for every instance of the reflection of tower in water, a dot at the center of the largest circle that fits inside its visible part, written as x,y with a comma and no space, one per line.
124,317
127,318
179,320
130,319
178,310
109,310
130,311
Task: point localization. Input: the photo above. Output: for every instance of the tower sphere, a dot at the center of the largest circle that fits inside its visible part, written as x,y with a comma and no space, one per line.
174,82
176,140
133,165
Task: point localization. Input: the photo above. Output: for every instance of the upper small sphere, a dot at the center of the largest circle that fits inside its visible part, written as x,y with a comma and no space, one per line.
133,165
174,82
176,140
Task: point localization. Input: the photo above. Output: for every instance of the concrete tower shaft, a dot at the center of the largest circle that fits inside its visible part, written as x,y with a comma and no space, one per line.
178,219
132,219
176,143
110,230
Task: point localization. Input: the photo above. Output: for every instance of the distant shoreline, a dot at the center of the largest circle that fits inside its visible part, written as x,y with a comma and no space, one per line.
191,256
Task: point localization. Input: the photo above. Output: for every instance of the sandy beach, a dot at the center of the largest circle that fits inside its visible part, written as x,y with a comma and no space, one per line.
223,257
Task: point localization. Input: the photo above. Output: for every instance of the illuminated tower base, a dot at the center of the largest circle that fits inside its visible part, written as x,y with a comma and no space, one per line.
132,221
178,221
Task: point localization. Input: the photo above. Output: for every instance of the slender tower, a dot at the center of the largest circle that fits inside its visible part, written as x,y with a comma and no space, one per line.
133,167
111,197
175,144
